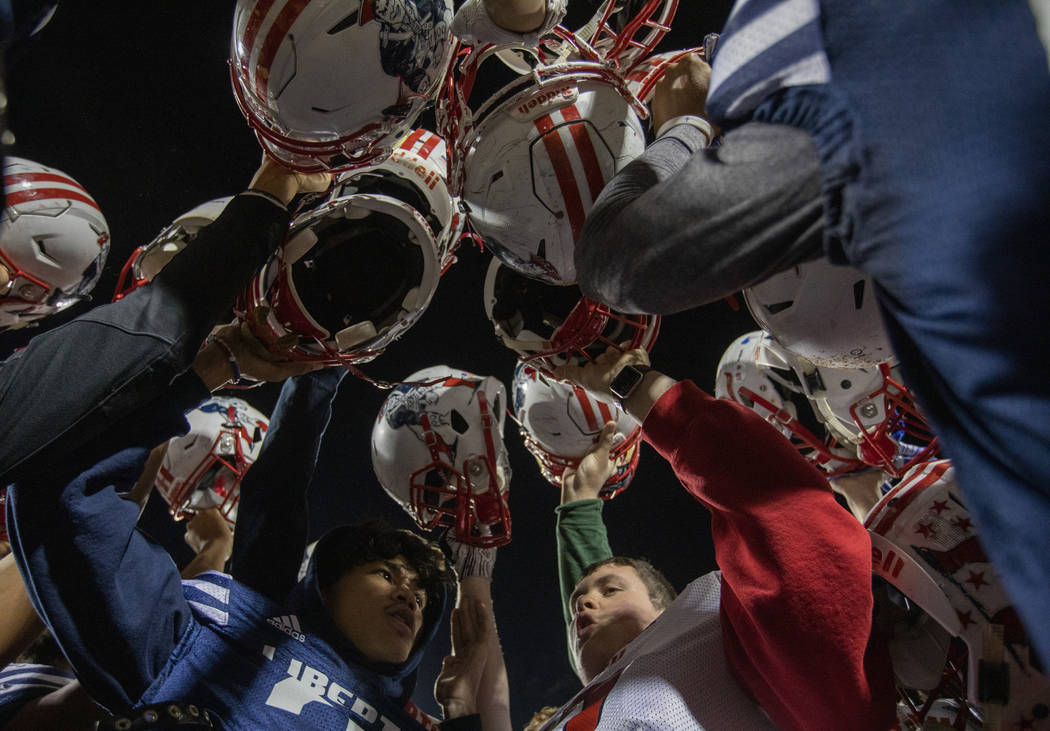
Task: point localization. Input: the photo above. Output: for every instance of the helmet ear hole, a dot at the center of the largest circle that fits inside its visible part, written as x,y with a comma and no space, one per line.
459,424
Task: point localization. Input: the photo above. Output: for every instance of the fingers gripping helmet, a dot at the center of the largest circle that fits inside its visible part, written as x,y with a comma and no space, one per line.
146,261
355,273
825,313
953,632
560,423
538,160
204,468
334,84
437,449
53,242
548,326
754,372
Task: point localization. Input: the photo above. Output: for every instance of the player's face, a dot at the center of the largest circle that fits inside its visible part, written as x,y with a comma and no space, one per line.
610,608
379,607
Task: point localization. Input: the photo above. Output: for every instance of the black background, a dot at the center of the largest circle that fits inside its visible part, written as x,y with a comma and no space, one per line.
133,100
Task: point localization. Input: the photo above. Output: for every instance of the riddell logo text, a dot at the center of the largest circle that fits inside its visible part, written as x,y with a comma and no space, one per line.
554,97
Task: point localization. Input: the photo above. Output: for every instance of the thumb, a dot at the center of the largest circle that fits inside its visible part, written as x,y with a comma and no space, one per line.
606,439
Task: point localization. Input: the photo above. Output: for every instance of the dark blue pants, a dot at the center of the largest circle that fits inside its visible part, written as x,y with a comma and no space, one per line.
949,211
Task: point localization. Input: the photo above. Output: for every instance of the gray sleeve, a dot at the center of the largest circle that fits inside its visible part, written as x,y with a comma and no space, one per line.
685,225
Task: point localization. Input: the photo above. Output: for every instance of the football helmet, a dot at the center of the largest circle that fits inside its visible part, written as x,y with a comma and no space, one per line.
754,372
334,84
871,409
146,261
825,313
542,150
416,174
437,449
548,326
560,423
204,468
952,630
623,32
360,269
53,242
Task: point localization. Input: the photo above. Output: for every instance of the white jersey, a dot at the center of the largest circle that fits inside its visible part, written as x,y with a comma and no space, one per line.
673,676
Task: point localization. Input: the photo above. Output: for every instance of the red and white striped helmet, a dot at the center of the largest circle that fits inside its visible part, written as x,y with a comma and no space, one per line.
146,261
53,242
360,269
204,468
334,84
549,325
542,150
560,423
952,630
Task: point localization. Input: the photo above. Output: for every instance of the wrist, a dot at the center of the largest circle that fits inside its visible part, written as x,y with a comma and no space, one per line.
641,401
692,120
213,367
457,708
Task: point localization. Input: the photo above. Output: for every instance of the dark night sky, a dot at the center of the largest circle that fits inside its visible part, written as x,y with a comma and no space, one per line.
135,103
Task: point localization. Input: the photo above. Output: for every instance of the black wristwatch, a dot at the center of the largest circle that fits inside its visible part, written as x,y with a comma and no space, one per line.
627,380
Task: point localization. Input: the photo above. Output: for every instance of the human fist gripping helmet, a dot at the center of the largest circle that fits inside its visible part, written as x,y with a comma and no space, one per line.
334,84
754,372
561,422
146,261
360,269
953,632
53,242
548,326
204,468
437,449
825,313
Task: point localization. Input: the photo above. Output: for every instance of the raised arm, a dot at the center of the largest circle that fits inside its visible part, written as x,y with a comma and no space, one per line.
687,223
137,346
271,530
796,568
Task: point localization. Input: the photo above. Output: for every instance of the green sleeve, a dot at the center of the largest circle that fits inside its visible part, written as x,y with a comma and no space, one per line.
581,541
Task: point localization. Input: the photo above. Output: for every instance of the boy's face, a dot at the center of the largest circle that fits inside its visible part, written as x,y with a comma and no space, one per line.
379,607
610,607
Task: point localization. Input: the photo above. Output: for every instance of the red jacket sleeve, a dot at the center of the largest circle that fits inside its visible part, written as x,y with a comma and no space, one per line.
796,567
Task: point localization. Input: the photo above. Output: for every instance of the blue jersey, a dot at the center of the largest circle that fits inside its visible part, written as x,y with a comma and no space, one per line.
257,664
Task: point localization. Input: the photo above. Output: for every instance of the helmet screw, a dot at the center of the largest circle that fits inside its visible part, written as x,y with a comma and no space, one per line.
868,410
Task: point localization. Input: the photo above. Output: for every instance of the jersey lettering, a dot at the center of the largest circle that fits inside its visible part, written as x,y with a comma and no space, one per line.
305,685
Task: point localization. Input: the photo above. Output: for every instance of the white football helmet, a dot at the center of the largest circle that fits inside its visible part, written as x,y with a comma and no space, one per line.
871,409
53,242
560,423
825,313
437,449
754,372
204,468
543,148
357,271
334,84
146,261
548,326
952,630
416,174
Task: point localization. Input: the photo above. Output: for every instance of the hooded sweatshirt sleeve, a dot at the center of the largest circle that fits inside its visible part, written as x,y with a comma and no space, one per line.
796,596
684,225
271,533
